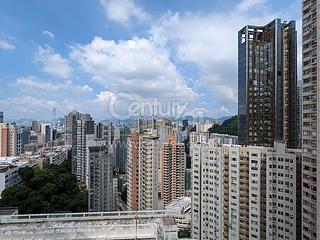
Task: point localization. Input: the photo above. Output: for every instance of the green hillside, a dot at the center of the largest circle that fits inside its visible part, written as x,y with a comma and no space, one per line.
229,126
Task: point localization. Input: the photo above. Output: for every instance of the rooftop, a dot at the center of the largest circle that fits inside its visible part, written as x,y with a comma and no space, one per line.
89,225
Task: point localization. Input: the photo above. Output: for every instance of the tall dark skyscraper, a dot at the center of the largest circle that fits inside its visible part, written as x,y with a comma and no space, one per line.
267,84
1,117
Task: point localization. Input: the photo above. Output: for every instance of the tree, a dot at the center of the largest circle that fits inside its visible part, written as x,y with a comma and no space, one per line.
229,126
53,189
184,233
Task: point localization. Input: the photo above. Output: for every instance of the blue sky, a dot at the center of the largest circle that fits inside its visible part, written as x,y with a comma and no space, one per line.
82,54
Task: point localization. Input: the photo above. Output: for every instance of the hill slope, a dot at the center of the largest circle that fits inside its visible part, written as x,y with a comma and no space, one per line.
229,126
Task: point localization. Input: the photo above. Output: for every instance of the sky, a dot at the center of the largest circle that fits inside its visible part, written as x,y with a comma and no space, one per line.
111,58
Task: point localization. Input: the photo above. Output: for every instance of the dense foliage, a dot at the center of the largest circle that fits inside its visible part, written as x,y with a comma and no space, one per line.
54,189
229,126
184,233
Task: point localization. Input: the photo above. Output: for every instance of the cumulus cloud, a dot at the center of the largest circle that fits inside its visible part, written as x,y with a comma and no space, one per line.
105,97
136,66
85,88
35,83
53,63
27,104
209,41
48,34
246,5
122,11
29,83
5,44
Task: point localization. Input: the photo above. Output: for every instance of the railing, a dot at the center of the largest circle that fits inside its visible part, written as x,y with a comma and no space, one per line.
84,216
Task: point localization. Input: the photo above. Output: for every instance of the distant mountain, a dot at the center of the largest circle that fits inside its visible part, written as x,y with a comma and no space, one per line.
222,119
194,119
20,122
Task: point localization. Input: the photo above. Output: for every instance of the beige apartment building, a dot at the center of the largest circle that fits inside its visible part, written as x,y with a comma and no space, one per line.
143,161
173,169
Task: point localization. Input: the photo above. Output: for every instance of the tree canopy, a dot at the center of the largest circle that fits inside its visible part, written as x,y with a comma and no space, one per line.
53,189
229,126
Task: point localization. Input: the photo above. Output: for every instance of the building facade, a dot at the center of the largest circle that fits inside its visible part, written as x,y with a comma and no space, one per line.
143,169
173,170
85,133
245,192
8,140
76,127
207,190
283,203
310,121
99,177
267,84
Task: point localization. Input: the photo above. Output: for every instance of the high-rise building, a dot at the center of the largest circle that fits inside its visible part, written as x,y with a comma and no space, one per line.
267,82
36,126
245,192
143,167
310,120
173,170
120,145
8,140
70,134
1,117
207,190
299,112
283,194
84,133
23,138
100,176
45,133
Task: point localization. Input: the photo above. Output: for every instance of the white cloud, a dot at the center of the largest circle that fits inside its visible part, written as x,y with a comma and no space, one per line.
48,34
34,83
30,83
136,66
4,44
208,41
85,88
246,5
53,63
224,110
105,97
27,104
122,11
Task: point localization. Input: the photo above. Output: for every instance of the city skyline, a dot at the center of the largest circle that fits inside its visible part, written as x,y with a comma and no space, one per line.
47,66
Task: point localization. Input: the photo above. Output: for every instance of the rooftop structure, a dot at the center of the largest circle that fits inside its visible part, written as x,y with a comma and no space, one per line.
99,225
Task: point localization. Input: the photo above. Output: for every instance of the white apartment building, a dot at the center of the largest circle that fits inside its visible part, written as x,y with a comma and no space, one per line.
252,191
84,133
99,176
9,175
283,170
181,209
310,226
257,192
207,190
